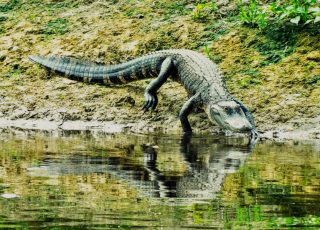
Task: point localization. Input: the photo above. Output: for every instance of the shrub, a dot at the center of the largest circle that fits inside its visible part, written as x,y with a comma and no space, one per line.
293,11
253,15
296,11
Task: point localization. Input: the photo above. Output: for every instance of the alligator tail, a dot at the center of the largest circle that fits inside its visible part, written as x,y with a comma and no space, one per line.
140,68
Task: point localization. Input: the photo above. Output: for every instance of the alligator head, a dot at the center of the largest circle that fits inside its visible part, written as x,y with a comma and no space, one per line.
231,115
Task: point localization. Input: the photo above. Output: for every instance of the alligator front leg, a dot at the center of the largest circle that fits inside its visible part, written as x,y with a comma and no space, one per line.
186,110
150,95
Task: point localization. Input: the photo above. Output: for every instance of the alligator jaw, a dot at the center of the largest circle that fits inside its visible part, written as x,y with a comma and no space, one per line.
231,116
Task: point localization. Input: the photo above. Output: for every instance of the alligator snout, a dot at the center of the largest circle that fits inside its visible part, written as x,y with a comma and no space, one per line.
239,124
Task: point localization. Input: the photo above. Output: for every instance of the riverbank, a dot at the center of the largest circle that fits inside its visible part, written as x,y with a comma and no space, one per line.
109,127
275,73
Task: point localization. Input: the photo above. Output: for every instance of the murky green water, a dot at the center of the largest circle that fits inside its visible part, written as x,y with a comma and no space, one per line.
99,181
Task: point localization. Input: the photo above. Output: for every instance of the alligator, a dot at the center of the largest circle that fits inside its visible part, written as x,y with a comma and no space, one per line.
201,78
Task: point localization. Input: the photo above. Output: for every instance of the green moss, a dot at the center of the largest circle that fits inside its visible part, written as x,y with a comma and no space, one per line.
252,72
58,26
15,72
175,7
215,30
204,10
3,18
252,77
276,44
10,5
313,80
2,30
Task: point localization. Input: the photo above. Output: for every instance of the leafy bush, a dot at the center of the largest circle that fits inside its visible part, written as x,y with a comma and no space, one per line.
293,11
296,11
253,14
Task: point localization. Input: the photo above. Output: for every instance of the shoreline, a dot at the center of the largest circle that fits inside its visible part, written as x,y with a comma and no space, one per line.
111,127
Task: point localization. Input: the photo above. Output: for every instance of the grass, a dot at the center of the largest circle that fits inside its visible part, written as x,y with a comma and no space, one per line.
2,30
176,7
274,44
279,43
10,5
215,30
3,18
59,26
251,77
313,80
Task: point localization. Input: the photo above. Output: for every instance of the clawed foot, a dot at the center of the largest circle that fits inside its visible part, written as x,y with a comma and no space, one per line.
151,102
254,134
254,137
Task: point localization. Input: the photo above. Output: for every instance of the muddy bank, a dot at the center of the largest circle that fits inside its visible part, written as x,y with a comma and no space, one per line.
110,127
277,79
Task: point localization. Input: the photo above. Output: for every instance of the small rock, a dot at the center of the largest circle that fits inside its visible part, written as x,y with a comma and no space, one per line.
140,16
20,113
130,46
14,48
9,195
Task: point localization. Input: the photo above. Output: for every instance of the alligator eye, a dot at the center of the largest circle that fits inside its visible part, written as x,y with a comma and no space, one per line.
238,110
228,110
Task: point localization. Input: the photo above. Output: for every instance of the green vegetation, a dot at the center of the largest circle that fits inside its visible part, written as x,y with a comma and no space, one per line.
2,30
276,44
298,12
313,80
58,26
251,77
203,10
3,18
253,15
175,7
10,5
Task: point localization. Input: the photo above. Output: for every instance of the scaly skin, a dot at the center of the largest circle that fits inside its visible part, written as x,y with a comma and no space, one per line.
201,78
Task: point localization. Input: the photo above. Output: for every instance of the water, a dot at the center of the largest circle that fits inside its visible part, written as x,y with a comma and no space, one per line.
85,180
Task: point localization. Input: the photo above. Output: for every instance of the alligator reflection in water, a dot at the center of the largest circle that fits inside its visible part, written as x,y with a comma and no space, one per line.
205,166
203,178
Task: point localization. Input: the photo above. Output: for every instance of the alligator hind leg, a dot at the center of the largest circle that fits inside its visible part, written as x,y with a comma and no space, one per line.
186,110
150,94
